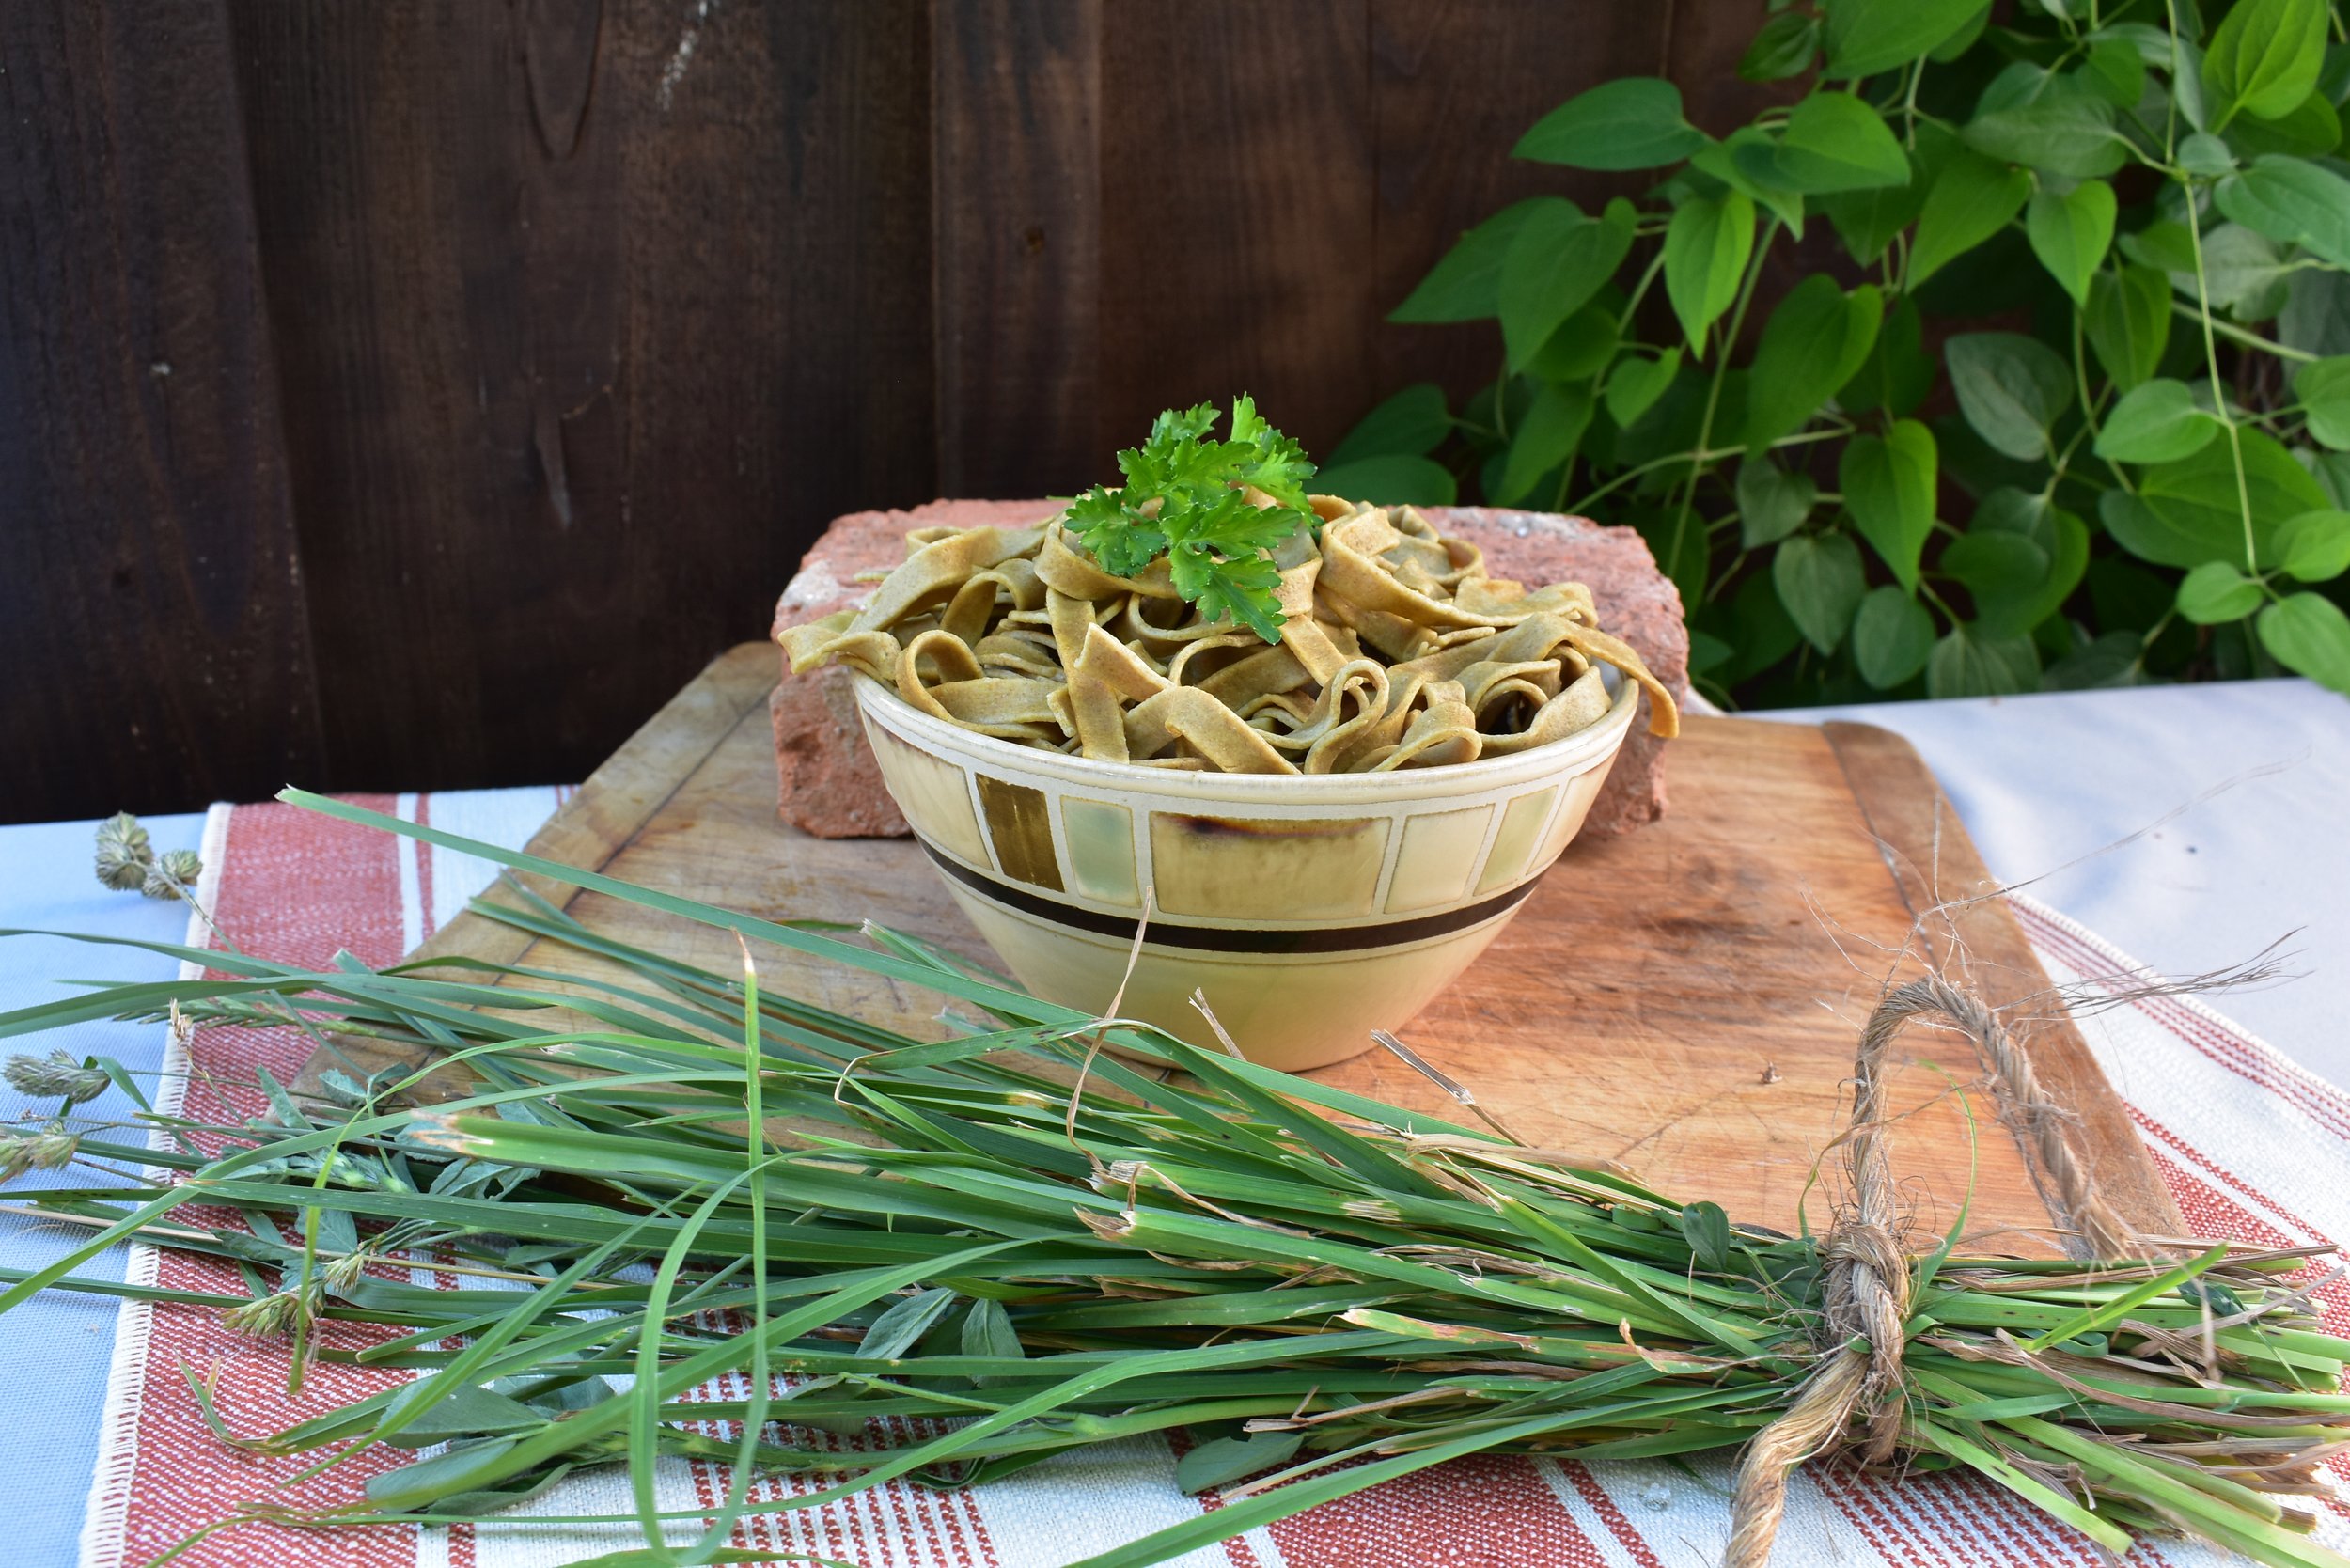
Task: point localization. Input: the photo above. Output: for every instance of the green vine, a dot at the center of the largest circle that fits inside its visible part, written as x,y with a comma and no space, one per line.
2068,493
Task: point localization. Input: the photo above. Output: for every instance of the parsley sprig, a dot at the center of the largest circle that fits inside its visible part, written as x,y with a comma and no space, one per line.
1182,499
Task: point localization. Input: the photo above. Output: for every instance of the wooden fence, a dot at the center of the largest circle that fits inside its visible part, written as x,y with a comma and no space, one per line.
401,395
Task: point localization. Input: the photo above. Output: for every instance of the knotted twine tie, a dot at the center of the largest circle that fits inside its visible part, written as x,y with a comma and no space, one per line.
1851,1400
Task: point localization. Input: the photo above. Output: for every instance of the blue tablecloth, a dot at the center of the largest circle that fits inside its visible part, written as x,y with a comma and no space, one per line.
2044,783
55,1349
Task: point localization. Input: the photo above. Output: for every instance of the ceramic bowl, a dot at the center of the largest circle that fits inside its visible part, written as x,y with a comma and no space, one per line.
1311,910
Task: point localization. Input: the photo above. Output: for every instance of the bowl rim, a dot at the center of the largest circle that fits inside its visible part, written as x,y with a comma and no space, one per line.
1594,745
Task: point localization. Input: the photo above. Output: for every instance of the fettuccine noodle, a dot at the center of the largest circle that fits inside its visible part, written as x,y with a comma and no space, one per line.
1397,650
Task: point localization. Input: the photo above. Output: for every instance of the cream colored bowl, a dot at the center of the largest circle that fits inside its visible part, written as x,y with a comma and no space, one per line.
1311,910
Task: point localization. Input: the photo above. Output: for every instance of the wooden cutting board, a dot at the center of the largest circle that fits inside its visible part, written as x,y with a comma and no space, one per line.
1683,999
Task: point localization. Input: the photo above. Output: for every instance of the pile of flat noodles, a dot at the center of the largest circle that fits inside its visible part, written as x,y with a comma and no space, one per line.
1397,650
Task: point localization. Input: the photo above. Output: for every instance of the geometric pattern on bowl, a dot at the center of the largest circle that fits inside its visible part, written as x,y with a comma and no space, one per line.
1310,909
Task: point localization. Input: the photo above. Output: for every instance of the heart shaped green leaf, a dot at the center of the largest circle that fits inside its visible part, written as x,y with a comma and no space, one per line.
1632,123
1706,248
2071,233
2292,201
1546,436
1819,581
2309,634
2323,388
2128,321
1772,503
1892,637
1465,285
1635,383
1888,485
1865,37
1391,479
2188,513
2216,591
1836,142
2158,422
2314,547
2010,388
1968,663
1414,422
2264,58
1973,199
1559,259
1815,342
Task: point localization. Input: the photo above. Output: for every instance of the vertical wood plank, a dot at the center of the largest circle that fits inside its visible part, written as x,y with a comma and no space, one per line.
594,312
781,297
152,637
1457,83
1016,184
1238,230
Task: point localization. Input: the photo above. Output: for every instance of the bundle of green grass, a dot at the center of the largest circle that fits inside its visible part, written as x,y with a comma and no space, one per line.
1038,1247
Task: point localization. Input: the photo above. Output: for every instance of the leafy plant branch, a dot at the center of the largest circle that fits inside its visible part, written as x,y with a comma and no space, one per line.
2025,205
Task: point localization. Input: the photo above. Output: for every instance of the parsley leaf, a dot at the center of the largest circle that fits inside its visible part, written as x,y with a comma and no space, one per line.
1274,464
1182,499
1217,555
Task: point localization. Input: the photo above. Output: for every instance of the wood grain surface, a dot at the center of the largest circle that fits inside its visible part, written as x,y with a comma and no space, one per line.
1269,235
154,628
1944,885
1683,1000
1016,220
576,300
517,352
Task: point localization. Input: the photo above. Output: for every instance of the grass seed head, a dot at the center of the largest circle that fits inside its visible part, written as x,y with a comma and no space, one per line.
60,1074
50,1148
267,1317
118,867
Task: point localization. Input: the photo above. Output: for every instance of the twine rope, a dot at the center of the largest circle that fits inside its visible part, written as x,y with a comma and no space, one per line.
1852,1400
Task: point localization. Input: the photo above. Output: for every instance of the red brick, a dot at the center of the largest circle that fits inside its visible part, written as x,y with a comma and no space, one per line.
831,788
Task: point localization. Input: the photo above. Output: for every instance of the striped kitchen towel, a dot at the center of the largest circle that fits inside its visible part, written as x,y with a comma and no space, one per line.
2255,1149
